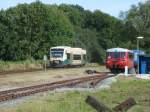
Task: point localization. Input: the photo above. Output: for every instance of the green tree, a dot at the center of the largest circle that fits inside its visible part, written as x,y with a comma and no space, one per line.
30,30
138,17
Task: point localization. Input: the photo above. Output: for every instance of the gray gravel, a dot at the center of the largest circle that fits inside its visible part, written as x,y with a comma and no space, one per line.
105,84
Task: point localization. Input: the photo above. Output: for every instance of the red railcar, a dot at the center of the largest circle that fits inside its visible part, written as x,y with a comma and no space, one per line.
118,58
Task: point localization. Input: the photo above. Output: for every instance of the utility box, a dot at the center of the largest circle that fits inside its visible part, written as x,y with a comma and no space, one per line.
144,64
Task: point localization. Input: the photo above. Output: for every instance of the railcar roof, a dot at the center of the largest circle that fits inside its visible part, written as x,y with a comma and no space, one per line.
118,50
57,47
70,49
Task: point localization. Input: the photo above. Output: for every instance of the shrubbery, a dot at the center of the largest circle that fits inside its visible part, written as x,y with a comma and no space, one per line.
29,30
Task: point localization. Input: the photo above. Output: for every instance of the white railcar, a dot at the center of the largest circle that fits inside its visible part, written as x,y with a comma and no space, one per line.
62,56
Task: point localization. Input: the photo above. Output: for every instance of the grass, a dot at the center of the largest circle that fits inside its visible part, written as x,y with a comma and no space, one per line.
28,64
20,65
75,101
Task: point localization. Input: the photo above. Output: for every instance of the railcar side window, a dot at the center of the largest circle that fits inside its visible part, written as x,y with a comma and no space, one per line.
76,57
131,55
68,55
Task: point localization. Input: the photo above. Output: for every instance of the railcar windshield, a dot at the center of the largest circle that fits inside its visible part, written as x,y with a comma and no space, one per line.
119,54
57,53
116,54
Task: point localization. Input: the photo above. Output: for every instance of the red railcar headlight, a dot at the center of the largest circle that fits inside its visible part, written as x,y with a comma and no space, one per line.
109,57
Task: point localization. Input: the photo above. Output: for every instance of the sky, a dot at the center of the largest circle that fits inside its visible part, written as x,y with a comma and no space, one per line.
112,7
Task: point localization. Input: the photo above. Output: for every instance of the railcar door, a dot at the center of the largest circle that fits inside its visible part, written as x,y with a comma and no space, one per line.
130,60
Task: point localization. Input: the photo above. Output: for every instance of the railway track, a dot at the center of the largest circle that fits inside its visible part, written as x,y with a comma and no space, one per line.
26,91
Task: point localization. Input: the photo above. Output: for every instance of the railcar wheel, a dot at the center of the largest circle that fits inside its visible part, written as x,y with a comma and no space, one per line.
113,70
122,70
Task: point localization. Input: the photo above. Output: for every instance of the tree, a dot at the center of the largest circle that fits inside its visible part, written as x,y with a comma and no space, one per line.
139,19
28,31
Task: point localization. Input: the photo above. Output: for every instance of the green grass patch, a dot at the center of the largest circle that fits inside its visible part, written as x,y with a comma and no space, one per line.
75,101
20,65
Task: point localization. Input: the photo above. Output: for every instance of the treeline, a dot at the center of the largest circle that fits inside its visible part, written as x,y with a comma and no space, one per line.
29,30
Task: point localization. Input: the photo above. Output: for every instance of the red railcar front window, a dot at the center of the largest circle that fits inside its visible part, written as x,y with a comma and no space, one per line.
116,54
109,54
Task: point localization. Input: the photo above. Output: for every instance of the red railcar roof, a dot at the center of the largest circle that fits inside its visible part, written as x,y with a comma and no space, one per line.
118,50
